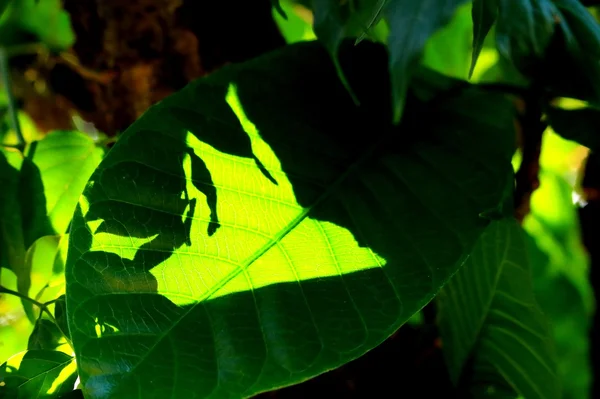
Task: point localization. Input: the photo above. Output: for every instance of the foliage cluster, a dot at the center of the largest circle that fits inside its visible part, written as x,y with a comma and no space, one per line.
283,216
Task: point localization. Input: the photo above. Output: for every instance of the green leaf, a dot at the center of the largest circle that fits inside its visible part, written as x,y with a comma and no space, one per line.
12,245
45,335
573,66
37,374
493,331
257,228
411,24
44,265
50,334
277,6
484,14
44,18
66,160
524,30
580,125
15,328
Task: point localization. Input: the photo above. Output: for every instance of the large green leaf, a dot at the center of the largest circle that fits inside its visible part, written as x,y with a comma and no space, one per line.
257,228
37,374
494,333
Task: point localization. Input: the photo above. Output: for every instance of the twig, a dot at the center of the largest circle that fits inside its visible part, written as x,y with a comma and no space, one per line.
5,290
4,71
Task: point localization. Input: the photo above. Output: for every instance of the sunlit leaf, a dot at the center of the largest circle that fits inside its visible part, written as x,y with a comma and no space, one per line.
66,160
580,125
493,331
15,328
37,374
237,238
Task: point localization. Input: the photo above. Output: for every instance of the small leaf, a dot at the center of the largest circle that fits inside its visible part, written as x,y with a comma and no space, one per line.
39,266
66,160
37,374
45,335
580,125
484,14
494,334
411,24
237,238
524,30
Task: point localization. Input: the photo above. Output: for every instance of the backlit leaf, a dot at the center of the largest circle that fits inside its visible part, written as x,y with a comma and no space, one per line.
484,14
37,374
238,238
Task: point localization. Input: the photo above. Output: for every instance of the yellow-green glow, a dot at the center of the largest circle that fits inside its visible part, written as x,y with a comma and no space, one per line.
84,204
255,215
14,362
64,374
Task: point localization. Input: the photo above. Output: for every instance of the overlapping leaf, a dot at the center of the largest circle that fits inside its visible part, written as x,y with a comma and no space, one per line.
246,234
494,334
37,374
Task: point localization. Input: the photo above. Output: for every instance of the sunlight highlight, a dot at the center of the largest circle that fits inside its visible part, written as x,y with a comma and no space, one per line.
64,374
265,234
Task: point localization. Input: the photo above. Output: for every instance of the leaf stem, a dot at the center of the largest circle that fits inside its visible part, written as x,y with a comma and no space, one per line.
12,110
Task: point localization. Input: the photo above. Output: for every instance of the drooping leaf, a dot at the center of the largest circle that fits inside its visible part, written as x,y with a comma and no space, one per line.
37,374
524,31
573,62
245,234
580,125
484,14
411,24
493,331
12,246
66,160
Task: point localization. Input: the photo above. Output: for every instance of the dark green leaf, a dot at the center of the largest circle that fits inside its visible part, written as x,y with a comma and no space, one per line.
411,24
60,315
37,374
257,228
574,65
484,15
580,125
48,334
12,246
524,30
494,333
45,335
